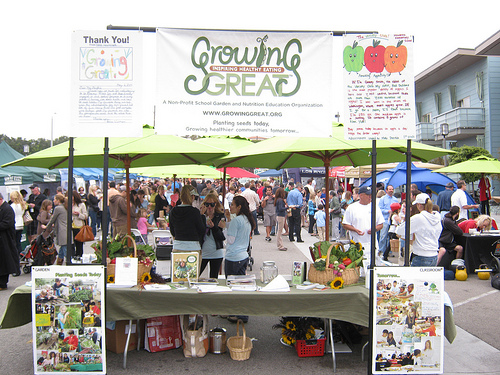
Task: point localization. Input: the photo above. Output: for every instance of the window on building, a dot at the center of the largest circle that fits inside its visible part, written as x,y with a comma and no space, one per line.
426,118
464,103
480,141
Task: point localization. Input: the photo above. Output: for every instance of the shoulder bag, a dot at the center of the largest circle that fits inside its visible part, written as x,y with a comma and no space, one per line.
85,234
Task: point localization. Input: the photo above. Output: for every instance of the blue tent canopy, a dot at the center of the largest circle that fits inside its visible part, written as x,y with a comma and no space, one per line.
271,173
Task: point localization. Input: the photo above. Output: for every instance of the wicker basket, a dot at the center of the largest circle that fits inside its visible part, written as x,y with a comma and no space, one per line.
142,268
349,275
239,346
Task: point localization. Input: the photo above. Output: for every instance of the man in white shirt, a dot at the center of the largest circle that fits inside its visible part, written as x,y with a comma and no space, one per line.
253,202
459,199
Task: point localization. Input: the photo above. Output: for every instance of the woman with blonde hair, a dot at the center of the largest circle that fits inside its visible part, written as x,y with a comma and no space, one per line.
93,205
480,223
80,216
186,224
19,206
426,228
212,249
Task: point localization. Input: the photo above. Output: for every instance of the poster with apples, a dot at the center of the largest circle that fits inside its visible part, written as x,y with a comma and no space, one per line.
379,86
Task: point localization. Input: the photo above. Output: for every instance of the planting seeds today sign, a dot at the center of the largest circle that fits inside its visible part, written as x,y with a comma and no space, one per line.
248,83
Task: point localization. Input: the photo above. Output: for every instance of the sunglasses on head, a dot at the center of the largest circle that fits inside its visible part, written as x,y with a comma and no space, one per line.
209,204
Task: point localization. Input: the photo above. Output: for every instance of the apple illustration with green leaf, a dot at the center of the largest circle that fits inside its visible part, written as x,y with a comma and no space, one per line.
353,57
374,57
395,58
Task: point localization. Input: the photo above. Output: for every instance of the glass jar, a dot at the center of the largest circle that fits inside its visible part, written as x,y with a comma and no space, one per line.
268,271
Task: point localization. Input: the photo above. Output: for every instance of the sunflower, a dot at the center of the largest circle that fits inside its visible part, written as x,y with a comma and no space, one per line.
111,279
146,277
291,326
337,283
310,333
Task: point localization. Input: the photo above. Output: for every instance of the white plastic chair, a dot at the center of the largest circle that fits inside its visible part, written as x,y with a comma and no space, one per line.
137,234
160,233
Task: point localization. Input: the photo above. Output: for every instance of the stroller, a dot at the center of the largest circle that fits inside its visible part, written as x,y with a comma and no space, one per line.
26,259
495,261
43,251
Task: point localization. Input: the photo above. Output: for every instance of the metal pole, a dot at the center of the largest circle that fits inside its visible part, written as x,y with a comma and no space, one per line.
105,218
69,216
372,251
408,203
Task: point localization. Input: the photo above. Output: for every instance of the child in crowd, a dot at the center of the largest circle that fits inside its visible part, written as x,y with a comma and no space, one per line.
320,218
143,225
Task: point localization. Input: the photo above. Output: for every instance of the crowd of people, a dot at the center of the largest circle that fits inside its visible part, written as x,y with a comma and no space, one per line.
284,209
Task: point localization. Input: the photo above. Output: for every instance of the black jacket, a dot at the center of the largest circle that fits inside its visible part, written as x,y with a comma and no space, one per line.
216,231
450,230
187,224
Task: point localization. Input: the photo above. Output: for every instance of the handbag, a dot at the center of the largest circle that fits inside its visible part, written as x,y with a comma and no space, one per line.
85,234
195,340
27,219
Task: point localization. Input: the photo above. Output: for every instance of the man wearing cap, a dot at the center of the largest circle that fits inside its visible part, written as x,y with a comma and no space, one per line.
118,211
34,203
357,219
385,206
459,198
444,199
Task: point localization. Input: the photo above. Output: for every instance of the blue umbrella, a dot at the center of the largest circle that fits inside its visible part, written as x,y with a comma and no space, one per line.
423,177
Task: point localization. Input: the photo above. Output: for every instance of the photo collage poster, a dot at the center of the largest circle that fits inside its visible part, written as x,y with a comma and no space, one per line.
68,315
408,320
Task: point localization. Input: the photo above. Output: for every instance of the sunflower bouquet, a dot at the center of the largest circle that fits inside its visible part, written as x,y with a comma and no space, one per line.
298,328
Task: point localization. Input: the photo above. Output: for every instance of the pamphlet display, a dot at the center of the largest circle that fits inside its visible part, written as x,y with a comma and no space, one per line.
68,310
408,320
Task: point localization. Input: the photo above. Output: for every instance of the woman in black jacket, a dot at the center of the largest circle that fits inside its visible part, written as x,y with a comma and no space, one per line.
448,248
186,223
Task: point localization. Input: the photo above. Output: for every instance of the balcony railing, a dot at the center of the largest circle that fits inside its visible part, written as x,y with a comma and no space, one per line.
462,122
425,131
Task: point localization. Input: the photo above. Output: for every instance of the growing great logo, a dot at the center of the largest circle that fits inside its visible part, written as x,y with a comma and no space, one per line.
228,70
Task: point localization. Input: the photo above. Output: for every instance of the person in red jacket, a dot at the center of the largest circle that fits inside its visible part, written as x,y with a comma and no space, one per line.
72,340
484,194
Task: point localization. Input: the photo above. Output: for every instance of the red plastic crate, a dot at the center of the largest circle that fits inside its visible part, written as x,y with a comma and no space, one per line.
310,348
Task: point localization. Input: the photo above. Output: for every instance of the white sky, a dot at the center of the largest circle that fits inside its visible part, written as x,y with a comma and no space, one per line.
35,37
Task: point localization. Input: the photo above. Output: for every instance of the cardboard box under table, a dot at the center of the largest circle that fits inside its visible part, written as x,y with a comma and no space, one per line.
116,338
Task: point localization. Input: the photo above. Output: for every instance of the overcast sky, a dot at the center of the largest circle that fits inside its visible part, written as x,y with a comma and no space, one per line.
36,40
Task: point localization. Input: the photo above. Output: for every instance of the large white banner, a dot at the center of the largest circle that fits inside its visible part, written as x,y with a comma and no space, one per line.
247,83
408,320
106,84
379,87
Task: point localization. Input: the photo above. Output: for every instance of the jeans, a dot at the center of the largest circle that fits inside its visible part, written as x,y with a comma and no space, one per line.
384,238
235,268
334,228
311,223
254,214
420,261
93,221
62,252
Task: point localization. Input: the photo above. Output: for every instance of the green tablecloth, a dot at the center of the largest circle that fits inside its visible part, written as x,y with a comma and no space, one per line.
349,304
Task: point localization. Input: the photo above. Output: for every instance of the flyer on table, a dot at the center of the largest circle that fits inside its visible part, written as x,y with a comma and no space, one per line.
379,87
68,310
106,84
408,320
247,83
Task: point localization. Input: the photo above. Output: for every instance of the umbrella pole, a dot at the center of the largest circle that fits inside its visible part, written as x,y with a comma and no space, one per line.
224,187
371,274
105,218
127,185
69,218
408,203
327,201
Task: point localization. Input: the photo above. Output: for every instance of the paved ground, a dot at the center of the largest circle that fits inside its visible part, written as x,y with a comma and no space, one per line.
476,349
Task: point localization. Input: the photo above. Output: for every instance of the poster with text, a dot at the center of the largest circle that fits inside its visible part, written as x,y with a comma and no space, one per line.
246,83
68,319
106,84
408,324
379,88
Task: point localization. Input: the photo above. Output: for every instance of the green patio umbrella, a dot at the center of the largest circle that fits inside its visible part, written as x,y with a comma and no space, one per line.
479,164
181,171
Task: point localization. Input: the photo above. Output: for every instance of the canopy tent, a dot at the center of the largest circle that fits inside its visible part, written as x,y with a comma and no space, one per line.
271,173
479,164
180,171
21,175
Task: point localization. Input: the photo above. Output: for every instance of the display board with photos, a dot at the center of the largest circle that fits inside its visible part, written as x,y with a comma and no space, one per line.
408,320
68,312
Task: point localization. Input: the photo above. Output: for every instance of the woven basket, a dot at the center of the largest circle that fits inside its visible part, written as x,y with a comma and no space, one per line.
349,275
142,268
322,277
239,346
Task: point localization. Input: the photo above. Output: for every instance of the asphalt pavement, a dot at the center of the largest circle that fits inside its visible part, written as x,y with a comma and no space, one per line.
476,349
